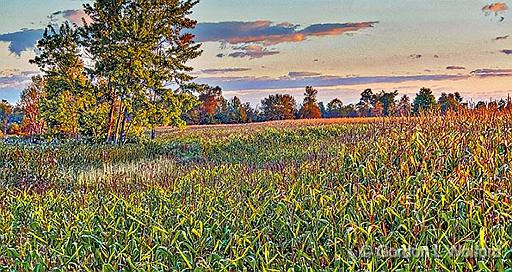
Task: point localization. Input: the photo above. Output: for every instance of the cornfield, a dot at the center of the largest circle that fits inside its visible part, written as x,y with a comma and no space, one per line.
406,194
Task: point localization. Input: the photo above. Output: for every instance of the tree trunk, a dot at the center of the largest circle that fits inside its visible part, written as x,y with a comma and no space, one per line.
111,112
115,136
122,136
153,133
110,122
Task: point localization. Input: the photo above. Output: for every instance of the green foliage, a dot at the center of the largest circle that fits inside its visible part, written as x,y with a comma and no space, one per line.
424,101
388,102
290,198
450,102
381,104
6,110
404,106
136,74
278,107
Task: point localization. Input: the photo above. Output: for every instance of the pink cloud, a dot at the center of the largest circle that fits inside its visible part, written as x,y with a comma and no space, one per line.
77,16
267,33
495,7
252,51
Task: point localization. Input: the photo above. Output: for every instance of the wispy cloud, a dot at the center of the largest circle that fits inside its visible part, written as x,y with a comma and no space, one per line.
251,39
26,39
269,33
224,70
258,83
495,7
251,51
454,67
19,80
492,72
302,74
500,38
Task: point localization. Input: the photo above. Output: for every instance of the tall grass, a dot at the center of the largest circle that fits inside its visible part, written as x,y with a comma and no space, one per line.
291,197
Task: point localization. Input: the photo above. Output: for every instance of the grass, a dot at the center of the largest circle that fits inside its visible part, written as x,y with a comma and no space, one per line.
282,196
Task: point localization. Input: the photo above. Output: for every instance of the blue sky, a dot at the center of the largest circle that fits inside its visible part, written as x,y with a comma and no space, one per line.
254,48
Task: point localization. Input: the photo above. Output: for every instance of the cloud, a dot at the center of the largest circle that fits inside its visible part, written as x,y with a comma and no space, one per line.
495,7
506,51
302,74
26,39
19,80
492,73
252,51
224,70
334,29
499,38
76,16
258,83
268,33
453,67
22,40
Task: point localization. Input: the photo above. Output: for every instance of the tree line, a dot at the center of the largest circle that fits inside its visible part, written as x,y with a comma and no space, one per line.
211,107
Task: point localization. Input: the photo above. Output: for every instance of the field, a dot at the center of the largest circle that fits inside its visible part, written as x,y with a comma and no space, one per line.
402,194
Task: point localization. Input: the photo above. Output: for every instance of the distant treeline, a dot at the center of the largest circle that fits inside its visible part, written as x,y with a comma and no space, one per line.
213,108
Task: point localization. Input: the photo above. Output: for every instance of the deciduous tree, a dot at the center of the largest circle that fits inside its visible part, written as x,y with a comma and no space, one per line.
449,102
310,108
142,48
32,123
67,96
404,107
6,110
278,107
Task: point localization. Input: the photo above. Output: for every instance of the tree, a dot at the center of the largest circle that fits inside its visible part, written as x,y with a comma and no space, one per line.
378,109
349,111
310,108
278,107
323,110
141,49
211,103
504,105
6,110
366,103
387,101
404,106
449,102
424,101
237,112
334,108
136,76
68,96
32,123
253,114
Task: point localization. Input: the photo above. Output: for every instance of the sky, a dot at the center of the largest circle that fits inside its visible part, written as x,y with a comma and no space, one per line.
253,48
